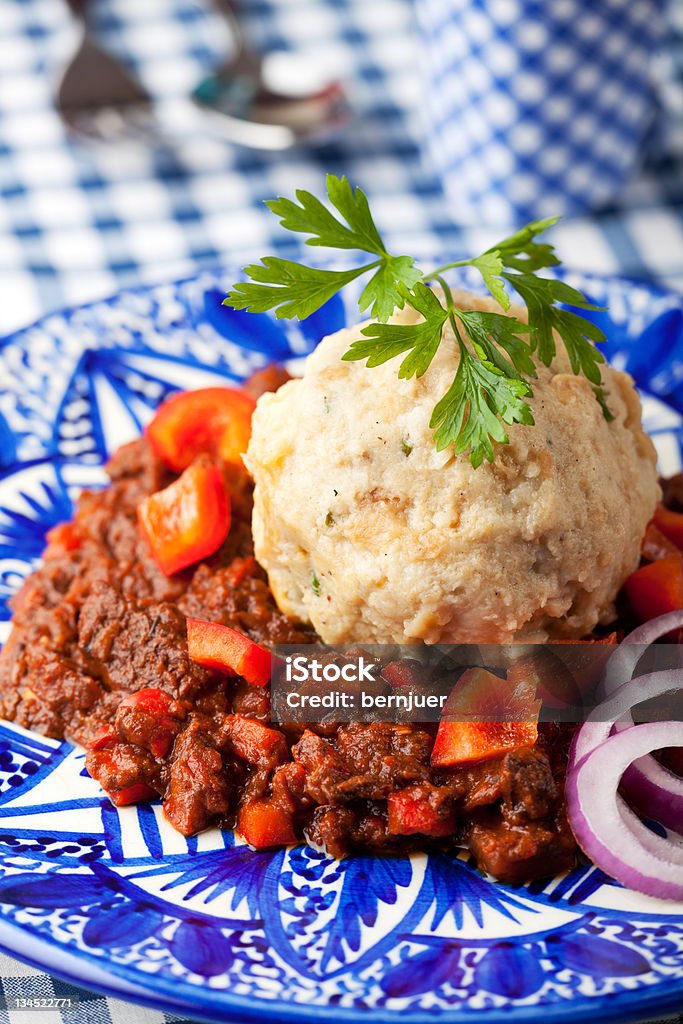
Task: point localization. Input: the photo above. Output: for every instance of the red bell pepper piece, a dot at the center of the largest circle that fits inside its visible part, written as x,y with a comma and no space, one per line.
213,420
409,812
263,823
656,588
565,671
61,540
104,738
138,793
464,742
225,650
188,520
478,697
255,742
670,524
656,546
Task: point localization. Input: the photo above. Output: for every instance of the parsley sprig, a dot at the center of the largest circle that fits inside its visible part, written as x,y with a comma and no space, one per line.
496,351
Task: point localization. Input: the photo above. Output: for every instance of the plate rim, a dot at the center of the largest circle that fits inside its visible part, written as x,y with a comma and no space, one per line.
221,269
622,1006
252,1011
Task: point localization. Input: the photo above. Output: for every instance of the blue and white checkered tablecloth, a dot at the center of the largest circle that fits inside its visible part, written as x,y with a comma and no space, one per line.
76,223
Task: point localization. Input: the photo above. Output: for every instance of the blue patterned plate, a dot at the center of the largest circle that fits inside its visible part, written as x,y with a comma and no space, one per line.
116,899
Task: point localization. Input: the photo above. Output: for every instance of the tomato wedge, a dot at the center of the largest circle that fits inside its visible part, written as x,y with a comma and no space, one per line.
656,588
224,649
188,520
478,697
216,421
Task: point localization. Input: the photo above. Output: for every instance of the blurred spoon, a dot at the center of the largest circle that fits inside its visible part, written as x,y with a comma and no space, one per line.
269,101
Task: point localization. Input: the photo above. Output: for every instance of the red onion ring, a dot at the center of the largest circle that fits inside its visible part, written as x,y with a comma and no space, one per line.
652,788
620,666
598,726
605,827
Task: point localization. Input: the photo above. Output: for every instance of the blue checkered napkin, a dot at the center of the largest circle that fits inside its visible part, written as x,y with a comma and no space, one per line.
77,224
539,108
25,983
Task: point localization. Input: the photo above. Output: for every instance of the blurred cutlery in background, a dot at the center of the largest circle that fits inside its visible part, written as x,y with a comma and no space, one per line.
97,97
269,101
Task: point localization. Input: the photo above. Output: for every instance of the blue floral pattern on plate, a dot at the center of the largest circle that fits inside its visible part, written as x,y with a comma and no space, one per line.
206,921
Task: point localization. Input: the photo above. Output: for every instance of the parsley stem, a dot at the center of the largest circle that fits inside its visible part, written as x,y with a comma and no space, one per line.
447,266
450,304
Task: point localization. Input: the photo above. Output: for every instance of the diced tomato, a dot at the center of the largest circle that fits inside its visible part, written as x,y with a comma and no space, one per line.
150,718
62,539
410,812
188,520
670,524
225,650
255,742
470,734
656,546
135,794
263,823
656,588
212,420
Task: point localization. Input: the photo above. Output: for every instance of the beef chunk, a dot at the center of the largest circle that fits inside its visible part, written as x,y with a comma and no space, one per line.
527,785
202,787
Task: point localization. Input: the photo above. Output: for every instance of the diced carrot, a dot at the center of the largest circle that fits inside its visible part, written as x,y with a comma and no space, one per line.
216,421
656,588
409,812
188,520
225,650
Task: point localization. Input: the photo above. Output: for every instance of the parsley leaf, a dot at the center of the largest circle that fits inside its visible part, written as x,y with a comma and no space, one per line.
382,342
491,332
490,266
311,217
291,289
496,350
387,288
469,414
